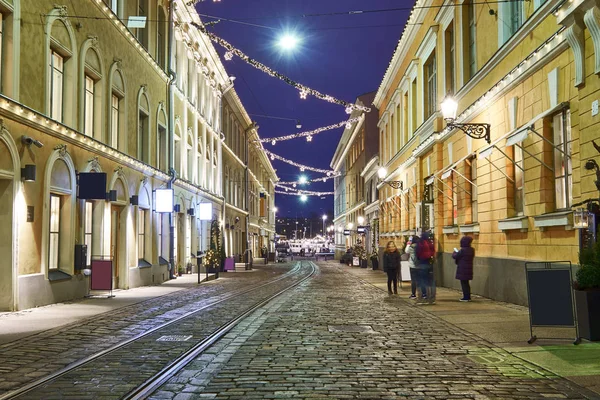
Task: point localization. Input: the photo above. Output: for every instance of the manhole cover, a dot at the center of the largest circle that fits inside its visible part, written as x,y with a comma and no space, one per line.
351,328
174,338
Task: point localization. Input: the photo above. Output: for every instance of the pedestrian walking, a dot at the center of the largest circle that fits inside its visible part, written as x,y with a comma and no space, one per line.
411,252
464,265
425,252
391,263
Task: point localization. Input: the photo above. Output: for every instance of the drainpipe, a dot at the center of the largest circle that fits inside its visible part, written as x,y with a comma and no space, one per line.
170,137
247,251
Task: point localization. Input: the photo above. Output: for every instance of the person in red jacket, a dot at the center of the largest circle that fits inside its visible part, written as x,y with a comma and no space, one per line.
425,252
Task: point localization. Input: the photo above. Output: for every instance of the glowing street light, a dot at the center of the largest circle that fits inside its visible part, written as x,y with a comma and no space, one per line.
361,220
382,172
303,180
288,41
303,198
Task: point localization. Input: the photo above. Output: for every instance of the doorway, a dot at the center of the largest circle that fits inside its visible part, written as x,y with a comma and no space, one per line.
6,261
115,229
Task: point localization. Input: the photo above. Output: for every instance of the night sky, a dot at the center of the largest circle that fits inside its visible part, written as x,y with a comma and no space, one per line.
343,56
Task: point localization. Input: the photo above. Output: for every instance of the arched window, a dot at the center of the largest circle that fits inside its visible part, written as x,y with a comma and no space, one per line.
59,220
117,114
199,161
161,139
161,34
61,67
226,194
143,136
90,121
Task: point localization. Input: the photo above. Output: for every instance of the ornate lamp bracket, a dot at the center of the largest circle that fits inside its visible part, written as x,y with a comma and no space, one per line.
396,184
476,131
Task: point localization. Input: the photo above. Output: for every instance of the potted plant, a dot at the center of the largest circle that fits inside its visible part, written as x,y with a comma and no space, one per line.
375,259
360,252
587,293
180,270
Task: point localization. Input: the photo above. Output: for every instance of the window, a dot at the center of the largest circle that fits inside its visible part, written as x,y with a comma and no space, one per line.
87,230
160,38
88,127
454,198
511,19
143,151
472,36
563,180
162,148
56,86
142,233
189,149
519,178
142,33
54,246
450,60
431,86
413,107
2,45
474,209
114,121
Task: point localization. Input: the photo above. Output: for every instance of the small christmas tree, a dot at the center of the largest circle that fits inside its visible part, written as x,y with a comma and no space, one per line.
359,251
213,256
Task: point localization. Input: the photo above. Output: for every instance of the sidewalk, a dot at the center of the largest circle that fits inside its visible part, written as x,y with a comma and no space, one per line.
16,325
506,326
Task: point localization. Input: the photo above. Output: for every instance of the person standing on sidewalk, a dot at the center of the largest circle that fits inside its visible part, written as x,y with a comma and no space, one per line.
411,247
425,254
391,263
464,265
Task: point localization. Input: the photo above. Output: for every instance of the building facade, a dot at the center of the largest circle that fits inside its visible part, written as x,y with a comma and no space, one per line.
358,145
528,70
141,106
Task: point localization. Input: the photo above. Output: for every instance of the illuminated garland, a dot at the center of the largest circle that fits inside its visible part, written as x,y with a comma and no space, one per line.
305,193
310,134
295,164
304,90
298,191
323,179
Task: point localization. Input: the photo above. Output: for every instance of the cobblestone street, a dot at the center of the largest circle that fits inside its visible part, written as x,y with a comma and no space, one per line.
339,337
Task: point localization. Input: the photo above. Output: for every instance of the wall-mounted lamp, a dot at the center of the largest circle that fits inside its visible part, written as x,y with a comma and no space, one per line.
111,196
298,124
134,200
191,212
382,173
177,208
26,140
28,173
476,131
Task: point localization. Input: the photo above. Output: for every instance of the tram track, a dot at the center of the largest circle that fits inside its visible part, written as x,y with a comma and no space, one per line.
183,323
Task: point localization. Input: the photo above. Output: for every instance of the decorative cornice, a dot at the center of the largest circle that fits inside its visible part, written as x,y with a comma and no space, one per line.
93,41
119,171
575,37
62,10
118,62
95,164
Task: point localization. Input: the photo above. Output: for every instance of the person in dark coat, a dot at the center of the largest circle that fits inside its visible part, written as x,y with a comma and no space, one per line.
464,262
391,264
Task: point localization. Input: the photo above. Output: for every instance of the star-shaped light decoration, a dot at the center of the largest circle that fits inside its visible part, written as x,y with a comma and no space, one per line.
228,56
302,169
303,94
348,109
273,142
348,125
309,138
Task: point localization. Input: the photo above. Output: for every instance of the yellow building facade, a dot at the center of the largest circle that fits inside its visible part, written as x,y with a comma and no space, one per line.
528,69
84,92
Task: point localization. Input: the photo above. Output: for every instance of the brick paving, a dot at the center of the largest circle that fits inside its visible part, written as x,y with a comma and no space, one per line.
41,354
337,337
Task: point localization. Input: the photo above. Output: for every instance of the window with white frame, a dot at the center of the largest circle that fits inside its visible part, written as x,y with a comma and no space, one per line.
88,230
190,156
141,233
162,147
519,180
510,19
88,108
413,108
563,178
431,85
455,187
54,244
56,85
473,177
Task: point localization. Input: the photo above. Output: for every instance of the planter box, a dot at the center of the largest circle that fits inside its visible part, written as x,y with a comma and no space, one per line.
375,263
364,263
588,310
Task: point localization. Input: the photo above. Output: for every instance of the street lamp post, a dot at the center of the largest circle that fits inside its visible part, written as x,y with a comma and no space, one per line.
382,173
